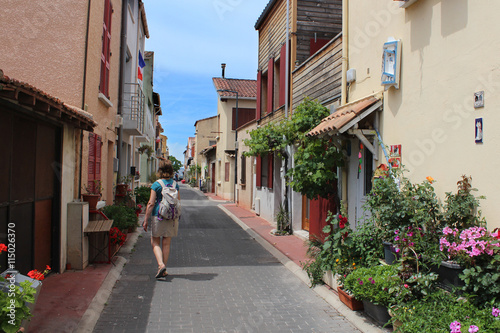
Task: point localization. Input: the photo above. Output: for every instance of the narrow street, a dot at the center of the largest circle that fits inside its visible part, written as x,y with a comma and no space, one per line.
220,280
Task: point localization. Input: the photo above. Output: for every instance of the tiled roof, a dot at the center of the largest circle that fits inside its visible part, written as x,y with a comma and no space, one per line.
262,16
42,102
245,88
343,116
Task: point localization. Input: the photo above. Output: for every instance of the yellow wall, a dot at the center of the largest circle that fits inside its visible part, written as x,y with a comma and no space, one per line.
449,52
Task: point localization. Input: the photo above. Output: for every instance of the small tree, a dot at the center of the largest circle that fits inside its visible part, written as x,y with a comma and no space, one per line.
316,159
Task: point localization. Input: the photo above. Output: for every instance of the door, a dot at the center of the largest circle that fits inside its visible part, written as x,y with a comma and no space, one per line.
212,189
360,181
305,213
29,201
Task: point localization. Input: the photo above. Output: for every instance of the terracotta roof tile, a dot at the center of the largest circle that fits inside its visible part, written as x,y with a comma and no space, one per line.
245,88
343,116
85,118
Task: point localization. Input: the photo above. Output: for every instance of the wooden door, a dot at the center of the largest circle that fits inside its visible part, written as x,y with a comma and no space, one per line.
305,213
30,174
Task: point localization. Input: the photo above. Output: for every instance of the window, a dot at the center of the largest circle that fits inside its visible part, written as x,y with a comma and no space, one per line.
316,44
226,172
106,51
212,142
244,116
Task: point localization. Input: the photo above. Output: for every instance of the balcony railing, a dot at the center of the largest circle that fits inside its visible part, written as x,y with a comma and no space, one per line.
133,109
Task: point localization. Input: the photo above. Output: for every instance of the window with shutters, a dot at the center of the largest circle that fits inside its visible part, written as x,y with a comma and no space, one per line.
106,48
94,167
264,170
226,172
277,84
244,116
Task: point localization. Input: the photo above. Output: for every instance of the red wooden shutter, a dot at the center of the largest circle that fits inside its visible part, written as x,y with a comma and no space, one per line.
316,45
282,75
259,96
91,167
94,168
270,160
106,51
270,86
259,171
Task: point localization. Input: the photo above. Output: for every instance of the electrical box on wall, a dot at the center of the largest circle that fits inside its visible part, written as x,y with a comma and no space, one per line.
351,75
391,63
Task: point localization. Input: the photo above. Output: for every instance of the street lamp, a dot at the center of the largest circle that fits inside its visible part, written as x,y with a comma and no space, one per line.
235,141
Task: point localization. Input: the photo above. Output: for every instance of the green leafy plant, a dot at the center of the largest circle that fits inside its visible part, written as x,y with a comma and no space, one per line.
460,209
94,188
379,285
142,194
123,217
283,220
315,160
146,149
440,310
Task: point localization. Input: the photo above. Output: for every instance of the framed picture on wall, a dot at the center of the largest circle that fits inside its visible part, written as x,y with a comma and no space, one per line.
395,156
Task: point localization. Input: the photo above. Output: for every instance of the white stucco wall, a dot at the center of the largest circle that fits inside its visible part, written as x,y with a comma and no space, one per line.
449,52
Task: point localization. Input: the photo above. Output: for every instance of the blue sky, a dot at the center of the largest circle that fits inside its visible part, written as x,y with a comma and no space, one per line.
190,40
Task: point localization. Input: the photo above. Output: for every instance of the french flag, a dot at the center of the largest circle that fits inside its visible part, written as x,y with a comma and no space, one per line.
141,66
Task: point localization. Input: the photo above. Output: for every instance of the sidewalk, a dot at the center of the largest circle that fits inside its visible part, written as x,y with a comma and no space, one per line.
73,301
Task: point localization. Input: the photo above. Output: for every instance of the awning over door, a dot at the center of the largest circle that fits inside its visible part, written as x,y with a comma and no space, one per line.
347,116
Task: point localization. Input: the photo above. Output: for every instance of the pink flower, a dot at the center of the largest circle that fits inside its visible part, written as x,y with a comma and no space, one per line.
495,312
406,286
473,329
455,326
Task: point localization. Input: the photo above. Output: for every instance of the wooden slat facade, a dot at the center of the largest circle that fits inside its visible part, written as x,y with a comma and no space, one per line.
316,20
272,34
320,77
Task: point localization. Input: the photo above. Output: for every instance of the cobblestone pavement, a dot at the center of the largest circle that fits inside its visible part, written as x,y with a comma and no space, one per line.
220,280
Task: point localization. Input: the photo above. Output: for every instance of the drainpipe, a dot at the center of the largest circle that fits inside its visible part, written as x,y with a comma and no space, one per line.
287,94
345,54
123,59
83,99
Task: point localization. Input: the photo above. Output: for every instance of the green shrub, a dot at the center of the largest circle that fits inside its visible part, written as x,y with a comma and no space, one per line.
438,310
123,217
142,194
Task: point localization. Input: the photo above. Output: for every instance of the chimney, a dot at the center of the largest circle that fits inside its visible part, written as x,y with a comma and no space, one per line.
223,70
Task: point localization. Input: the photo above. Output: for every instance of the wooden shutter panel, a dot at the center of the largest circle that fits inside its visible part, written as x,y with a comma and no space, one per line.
259,171
270,160
98,147
282,75
259,96
270,85
106,51
91,165
226,172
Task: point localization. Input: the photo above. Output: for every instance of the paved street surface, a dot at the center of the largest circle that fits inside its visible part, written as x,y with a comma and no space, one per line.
220,280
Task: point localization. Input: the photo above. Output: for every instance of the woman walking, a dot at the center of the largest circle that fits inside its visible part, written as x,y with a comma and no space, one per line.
162,230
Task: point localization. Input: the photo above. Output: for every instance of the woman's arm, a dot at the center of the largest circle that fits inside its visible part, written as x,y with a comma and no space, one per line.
149,209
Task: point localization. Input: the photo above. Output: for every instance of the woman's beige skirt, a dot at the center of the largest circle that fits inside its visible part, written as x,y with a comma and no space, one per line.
164,228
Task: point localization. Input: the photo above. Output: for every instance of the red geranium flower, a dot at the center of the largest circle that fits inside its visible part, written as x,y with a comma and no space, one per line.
3,248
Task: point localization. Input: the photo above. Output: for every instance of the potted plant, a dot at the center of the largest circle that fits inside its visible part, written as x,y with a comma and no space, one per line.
93,193
117,239
123,185
18,295
378,287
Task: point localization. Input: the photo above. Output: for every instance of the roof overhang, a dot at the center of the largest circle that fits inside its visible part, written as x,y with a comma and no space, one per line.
347,116
264,14
208,149
34,100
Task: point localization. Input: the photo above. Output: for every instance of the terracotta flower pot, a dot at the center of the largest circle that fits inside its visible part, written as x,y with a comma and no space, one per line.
121,189
349,300
92,199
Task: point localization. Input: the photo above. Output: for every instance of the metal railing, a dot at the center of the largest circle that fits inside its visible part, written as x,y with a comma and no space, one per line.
133,104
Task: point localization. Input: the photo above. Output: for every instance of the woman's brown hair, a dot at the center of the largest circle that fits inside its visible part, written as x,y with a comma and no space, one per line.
165,170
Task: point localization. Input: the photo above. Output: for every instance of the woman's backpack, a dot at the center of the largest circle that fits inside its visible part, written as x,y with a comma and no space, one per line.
170,206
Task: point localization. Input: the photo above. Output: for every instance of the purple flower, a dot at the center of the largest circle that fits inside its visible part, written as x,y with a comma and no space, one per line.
495,312
372,281
473,329
361,282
